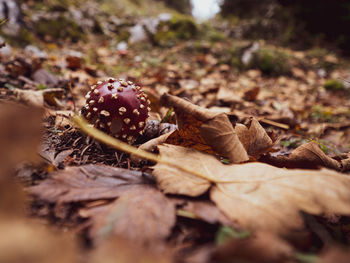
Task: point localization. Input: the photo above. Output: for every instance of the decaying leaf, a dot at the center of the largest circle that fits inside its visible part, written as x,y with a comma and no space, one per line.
25,241
263,247
334,254
215,129
151,145
85,183
254,138
170,180
20,131
189,134
309,156
119,250
345,164
312,154
204,210
39,97
142,214
256,195
219,133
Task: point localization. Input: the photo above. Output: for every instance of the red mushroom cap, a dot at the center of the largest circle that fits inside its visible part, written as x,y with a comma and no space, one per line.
117,107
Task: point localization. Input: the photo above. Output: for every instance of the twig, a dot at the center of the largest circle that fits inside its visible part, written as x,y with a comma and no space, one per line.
273,123
71,92
101,136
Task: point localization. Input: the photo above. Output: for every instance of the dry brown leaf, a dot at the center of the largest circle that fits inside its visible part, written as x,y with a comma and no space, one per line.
85,183
118,250
171,181
308,156
256,195
205,130
334,255
37,98
206,211
142,214
220,135
263,247
189,134
254,138
151,145
345,164
310,153
24,241
20,132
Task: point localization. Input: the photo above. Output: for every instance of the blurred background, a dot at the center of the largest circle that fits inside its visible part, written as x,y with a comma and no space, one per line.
242,57
298,23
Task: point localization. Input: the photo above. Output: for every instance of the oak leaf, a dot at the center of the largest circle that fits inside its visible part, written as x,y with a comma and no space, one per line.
256,195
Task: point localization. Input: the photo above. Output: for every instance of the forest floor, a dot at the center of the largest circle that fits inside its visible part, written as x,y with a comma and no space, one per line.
256,170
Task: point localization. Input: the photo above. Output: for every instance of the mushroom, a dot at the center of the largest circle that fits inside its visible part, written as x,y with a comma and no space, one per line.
117,107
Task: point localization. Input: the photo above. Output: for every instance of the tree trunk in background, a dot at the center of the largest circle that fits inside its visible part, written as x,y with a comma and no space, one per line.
182,6
11,11
246,9
306,20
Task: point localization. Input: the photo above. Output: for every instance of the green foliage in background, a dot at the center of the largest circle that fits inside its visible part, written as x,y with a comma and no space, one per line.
271,61
179,27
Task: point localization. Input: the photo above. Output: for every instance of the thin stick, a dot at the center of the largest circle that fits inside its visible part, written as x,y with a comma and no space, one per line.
273,123
71,92
102,137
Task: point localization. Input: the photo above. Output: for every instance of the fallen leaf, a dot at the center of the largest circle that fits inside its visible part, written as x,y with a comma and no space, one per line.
189,134
256,195
74,62
207,128
263,247
44,77
151,145
334,254
37,98
345,164
308,156
20,132
171,181
252,94
310,153
205,210
220,135
86,183
23,240
142,214
119,250
254,138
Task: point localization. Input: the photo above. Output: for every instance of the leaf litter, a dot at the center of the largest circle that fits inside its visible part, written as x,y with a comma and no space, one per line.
212,172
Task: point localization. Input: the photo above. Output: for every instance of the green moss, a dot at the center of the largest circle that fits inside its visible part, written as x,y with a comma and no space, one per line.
23,38
271,61
226,233
334,85
293,143
320,114
54,5
60,28
123,35
121,8
179,27
319,58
